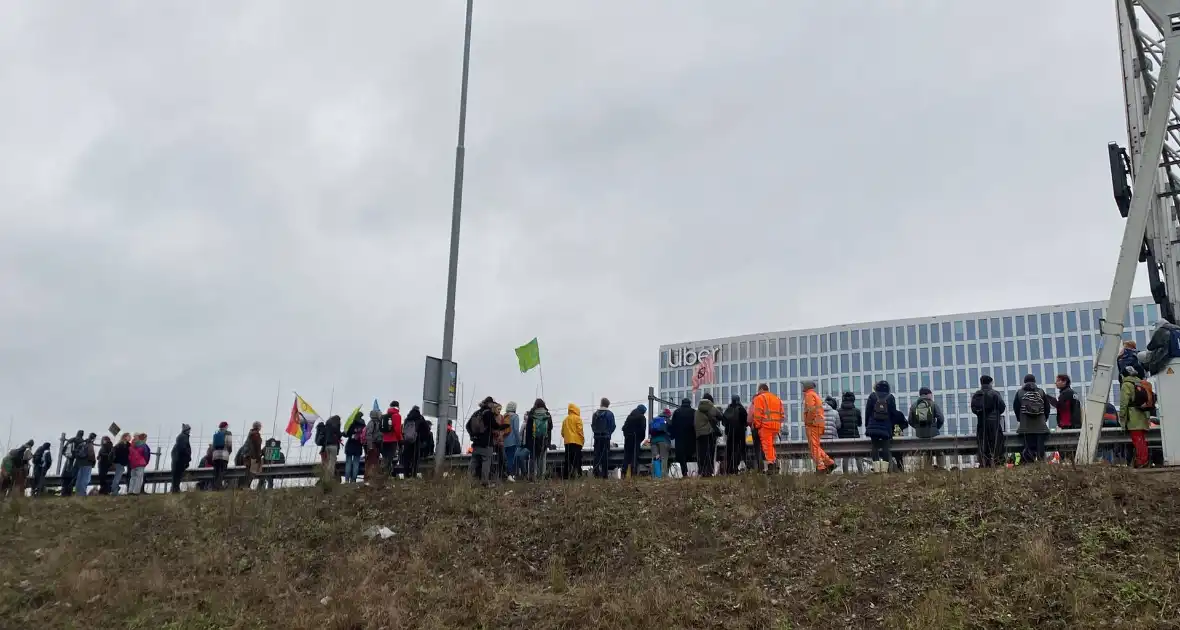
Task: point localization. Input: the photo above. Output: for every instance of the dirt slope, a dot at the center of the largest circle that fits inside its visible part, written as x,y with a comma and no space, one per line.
1050,548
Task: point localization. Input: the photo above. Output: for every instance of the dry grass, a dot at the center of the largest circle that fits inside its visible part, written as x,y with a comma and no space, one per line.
1046,548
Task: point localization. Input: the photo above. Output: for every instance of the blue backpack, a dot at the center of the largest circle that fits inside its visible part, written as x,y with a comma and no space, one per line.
659,424
219,441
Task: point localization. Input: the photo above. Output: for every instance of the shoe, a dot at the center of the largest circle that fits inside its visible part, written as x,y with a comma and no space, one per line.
511,479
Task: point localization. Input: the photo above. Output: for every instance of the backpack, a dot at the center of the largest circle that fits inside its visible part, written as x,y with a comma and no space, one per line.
321,437
386,423
881,408
541,423
598,423
410,430
1032,403
1144,398
240,456
924,413
476,425
219,441
659,424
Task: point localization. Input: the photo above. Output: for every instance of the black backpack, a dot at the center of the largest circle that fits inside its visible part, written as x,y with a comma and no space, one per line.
476,425
321,437
1032,403
386,423
881,408
598,422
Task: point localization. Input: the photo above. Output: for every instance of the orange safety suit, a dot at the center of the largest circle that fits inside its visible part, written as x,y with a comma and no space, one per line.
766,416
813,421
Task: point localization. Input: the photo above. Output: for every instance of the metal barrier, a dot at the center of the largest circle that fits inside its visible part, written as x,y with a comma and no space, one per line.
943,445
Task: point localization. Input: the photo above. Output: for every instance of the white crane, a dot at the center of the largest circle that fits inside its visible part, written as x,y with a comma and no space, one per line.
1149,37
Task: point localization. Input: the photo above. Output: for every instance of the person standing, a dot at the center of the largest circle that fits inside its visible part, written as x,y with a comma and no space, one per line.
573,435
500,466
140,455
374,442
927,420
767,413
814,422
539,434
881,415
182,456
1069,408
42,462
69,477
105,453
660,441
453,445
121,457
602,425
84,460
1136,402
706,421
736,420
254,453
634,427
412,431
332,437
512,440
354,449
480,427
391,434
223,449
988,406
1031,407
683,430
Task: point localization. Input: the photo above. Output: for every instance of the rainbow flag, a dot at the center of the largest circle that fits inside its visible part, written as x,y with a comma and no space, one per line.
303,419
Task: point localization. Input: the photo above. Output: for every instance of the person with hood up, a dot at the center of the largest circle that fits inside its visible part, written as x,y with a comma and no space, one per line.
121,457
574,436
1031,407
988,406
105,452
354,449
735,420
706,425
140,456
391,436
69,469
182,456
683,431
1136,403
453,445
927,419
660,441
814,421
480,427
831,418
767,413
42,462
634,427
374,441
84,461
881,415
254,451
413,430
538,436
223,449
602,425
513,440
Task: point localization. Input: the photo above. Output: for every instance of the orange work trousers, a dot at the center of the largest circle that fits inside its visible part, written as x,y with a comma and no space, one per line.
766,435
822,461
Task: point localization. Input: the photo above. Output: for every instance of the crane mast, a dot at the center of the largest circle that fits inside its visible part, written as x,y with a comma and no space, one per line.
1149,38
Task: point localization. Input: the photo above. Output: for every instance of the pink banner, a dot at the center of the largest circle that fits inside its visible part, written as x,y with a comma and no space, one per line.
703,374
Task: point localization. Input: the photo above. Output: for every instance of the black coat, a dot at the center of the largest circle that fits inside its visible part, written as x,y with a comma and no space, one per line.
736,419
453,445
635,426
182,452
122,454
683,428
850,420
105,452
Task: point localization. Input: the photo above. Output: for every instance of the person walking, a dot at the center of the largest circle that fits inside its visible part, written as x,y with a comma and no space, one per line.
223,449
140,456
881,415
988,406
814,422
660,442
1031,407
602,425
706,423
121,456
735,419
767,413
182,456
573,435
634,428
513,440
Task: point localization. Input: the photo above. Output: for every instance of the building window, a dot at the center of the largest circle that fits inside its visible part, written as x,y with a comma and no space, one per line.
998,377
1011,370
971,355
934,333
1058,322
664,380
1153,314
1140,339
1036,372
864,338
762,370
814,366
911,334
922,336
843,339
823,343
1047,347
1087,370
761,349
1022,349
984,357
913,357
971,330
1008,326
889,337
774,344
925,379
794,346
888,359
1084,315
745,372
1034,349
1073,346
946,356
924,354
901,359
1137,316
1071,320
742,350
946,331
794,368
962,373
680,378
1087,346
1075,370
855,361
1046,326
936,356
937,379
844,363
959,330
960,355
1032,325
972,377
902,383
1009,346
823,366
1060,345
1019,325
794,389
876,337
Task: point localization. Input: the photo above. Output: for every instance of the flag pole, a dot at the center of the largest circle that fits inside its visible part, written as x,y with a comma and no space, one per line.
274,425
541,373
331,401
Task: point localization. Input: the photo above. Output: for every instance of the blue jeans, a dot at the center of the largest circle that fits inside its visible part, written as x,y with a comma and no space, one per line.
82,480
510,459
352,467
120,470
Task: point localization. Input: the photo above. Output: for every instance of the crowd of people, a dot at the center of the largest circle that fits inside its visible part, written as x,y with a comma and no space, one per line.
506,445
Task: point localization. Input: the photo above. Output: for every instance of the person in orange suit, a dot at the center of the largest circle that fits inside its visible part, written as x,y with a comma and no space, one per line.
766,416
813,421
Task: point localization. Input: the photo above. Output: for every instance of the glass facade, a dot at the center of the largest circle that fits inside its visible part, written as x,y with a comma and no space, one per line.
946,353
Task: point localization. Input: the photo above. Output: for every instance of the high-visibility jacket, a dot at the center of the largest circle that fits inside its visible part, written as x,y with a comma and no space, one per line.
813,408
766,411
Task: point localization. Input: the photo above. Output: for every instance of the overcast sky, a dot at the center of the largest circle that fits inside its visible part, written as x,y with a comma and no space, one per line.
201,201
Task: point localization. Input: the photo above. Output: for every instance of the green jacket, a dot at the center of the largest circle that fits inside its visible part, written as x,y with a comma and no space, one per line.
1130,418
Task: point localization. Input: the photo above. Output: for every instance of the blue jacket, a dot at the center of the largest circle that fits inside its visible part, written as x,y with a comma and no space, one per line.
607,419
875,428
513,438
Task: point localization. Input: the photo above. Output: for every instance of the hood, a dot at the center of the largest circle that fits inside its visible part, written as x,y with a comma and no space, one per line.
186,429
641,410
685,402
574,410
414,415
705,406
510,407
848,397
882,387
1029,387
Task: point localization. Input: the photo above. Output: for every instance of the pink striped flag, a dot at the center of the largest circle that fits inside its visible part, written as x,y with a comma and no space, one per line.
703,374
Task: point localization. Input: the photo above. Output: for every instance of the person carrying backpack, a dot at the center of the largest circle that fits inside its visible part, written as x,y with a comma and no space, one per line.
513,440
42,462
735,419
411,441
881,415
141,456
988,406
1136,403
538,426
660,443
1031,407
121,457
480,427
927,419
223,449
374,440
574,436
602,425
84,461
391,436
182,456
706,421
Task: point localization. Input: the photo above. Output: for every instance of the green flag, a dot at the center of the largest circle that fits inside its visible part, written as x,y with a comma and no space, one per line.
352,417
528,355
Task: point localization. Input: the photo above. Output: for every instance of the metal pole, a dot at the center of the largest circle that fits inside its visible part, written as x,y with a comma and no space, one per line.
453,270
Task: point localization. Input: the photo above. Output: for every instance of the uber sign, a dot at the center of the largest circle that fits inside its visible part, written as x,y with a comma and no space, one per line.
688,357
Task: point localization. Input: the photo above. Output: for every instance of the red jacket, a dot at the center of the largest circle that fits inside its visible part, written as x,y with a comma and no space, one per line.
395,416
139,455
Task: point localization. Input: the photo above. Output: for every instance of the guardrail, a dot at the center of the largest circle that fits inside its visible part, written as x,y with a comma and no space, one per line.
942,445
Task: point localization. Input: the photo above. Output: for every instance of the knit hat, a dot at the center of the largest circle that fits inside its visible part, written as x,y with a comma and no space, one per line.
223,425
925,391
511,408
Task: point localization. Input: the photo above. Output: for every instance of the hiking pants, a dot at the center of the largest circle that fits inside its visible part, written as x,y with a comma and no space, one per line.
1034,448
879,451
136,485
38,481
757,458
573,461
481,464
990,437
389,456
1139,440
540,461
82,480
706,460
766,440
735,452
630,458
523,461
814,433
601,455
501,463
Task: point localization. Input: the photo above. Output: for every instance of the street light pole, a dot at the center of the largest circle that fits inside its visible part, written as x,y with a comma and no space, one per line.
444,407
